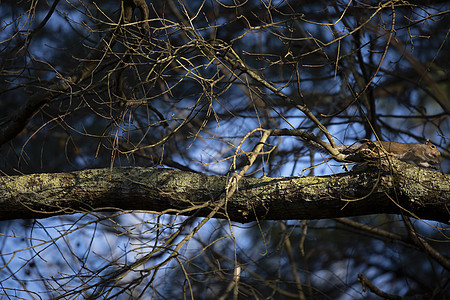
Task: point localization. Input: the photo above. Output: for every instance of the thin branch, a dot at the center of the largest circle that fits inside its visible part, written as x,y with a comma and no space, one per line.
367,283
11,128
421,243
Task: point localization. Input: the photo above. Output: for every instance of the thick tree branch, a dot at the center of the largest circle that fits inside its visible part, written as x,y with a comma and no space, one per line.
415,191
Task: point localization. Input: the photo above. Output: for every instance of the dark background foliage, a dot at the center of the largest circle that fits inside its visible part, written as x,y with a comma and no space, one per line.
170,90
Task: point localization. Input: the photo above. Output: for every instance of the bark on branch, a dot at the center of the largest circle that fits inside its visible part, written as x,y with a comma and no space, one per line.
415,191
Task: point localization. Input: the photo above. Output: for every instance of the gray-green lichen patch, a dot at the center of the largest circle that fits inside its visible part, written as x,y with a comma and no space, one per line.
419,184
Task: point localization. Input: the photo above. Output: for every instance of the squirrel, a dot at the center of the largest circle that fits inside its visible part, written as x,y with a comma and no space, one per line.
424,155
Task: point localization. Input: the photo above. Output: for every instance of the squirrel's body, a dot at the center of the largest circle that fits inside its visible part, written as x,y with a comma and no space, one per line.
424,155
